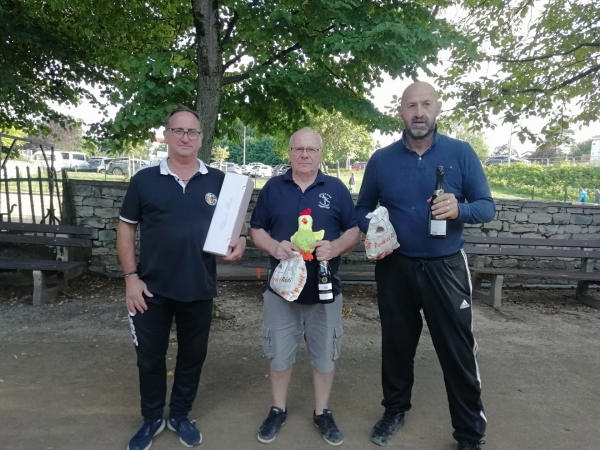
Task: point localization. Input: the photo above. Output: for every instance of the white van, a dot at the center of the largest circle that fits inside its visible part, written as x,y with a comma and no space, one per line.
75,161
69,160
57,161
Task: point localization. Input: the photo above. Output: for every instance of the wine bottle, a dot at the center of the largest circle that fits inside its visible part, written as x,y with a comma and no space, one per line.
325,283
436,228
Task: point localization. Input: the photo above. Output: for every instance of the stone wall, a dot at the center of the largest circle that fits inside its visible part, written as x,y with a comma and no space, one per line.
97,205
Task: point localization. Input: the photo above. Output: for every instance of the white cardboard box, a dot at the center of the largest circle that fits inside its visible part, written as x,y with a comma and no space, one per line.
230,213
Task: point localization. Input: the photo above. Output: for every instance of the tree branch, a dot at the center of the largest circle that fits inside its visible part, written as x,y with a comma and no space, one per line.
230,27
281,54
575,78
235,79
547,56
340,79
268,62
232,61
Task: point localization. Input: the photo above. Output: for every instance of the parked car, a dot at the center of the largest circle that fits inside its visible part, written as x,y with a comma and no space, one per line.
260,171
55,160
233,168
99,163
219,165
358,165
248,167
121,166
280,170
76,161
504,160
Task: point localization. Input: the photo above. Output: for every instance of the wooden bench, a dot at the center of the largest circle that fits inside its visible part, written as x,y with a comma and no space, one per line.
257,269
482,246
49,276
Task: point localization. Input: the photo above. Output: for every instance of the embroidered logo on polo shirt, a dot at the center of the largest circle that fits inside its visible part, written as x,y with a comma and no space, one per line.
211,199
325,201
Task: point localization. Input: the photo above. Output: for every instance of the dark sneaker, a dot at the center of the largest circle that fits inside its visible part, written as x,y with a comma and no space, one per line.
385,428
189,435
270,427
143,438
470,445
331,433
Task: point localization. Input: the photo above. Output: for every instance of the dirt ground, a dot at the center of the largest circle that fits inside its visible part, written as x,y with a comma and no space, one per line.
68,378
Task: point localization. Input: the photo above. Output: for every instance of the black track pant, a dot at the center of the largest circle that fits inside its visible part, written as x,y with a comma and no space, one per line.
441,287
151,337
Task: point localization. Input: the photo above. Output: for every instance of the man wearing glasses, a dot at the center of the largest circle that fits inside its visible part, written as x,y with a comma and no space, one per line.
274,221
173,203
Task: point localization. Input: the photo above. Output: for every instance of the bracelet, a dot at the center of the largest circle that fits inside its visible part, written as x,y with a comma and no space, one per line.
130,273
244,235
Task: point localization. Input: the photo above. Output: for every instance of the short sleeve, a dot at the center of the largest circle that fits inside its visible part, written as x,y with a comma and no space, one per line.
131,210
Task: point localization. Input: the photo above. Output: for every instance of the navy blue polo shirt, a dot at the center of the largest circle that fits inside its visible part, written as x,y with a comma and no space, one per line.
278,208
173,221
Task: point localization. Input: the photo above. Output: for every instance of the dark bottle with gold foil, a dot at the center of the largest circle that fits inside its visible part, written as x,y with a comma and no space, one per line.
436,228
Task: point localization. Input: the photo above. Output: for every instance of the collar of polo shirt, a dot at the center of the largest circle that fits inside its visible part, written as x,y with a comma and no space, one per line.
164,168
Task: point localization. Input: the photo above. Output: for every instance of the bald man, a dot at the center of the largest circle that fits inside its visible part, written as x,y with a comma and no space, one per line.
427,274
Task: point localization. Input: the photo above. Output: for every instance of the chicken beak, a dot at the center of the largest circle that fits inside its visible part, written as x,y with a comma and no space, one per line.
304,221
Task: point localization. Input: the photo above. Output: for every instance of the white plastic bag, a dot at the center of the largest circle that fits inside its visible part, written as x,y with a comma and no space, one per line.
381,235
289,277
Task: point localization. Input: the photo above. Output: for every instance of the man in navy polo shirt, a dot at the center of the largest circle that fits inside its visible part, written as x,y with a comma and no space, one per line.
173,203
423,273
274,221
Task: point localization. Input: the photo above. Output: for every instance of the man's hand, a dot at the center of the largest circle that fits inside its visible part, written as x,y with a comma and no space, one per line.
383,255
134,288
237,250
325,250
283,250
445,207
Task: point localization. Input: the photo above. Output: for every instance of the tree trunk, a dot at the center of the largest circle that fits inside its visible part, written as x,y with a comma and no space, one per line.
210,70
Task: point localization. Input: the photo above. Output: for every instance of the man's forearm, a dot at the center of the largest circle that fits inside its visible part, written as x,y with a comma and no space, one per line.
262,240
126,245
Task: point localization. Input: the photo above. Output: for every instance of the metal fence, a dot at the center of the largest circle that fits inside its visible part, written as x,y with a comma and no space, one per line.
31,195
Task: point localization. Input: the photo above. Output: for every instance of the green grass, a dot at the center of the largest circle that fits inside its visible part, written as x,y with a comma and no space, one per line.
96,176
512,182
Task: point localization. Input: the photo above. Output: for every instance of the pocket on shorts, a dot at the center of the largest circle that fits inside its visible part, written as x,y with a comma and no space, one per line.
338,333
268,349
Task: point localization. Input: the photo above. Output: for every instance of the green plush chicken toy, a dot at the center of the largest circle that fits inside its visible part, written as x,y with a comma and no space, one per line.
306,236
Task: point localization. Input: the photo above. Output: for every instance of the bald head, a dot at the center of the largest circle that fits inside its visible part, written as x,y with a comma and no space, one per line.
419,109
307,132
419,89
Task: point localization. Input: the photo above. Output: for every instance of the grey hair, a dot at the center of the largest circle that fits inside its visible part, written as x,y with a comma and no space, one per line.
304,130
179,109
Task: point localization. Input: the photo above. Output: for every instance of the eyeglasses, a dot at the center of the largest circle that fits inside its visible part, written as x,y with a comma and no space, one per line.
300,150
179,132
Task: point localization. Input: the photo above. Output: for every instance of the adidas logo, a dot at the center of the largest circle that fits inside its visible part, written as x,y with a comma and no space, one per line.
464,305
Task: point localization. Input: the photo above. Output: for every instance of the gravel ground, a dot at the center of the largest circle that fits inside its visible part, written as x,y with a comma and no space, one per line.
67,373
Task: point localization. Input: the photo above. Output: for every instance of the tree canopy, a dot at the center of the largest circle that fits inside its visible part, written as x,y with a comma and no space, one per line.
473,136
343,139
273,65
268,64
538,59
581,148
